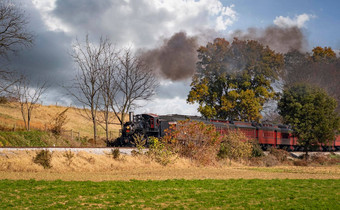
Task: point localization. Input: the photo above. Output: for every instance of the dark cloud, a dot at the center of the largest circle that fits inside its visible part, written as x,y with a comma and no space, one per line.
121,21
47,60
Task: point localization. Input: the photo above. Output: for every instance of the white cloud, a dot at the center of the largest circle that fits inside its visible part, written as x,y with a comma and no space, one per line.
142,22
298,21
45,7
175,105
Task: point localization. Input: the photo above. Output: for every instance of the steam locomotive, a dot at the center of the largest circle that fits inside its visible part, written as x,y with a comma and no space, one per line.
268,135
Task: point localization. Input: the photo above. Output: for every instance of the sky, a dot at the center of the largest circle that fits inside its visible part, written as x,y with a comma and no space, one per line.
144,24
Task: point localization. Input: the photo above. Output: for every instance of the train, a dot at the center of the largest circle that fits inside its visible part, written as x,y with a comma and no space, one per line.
268,135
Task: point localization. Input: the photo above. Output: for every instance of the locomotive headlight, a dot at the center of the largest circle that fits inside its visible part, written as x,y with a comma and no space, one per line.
127,127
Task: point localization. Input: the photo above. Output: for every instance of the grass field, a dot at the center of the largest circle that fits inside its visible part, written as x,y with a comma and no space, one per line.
10,116
240,194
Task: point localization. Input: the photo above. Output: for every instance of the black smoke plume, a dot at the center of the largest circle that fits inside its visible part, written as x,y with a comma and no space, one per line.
176,58
278,39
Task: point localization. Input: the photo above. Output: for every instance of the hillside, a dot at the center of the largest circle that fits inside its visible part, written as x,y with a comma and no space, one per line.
11,119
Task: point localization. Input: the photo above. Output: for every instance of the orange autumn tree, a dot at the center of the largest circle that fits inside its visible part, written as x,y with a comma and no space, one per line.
195,140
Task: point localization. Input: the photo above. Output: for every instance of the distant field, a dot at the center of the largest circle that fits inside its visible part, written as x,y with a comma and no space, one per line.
225,194
11,119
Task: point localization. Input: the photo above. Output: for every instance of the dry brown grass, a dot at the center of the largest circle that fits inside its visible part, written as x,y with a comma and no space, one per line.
10,114
86,166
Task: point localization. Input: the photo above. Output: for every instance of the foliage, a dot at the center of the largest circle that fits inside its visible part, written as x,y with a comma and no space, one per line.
69,157
281,155
235,146
115,153
172,194
325,54
195,140
43,158
234,80
321,68
139,142
311,113
256,148
58,122
159,152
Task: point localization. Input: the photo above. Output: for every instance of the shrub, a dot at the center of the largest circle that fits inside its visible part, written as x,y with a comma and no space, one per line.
281,155
3,100
43,158
159,152
235,146
58,122
115,153
270,160
194,140
139,142
69,157
256,149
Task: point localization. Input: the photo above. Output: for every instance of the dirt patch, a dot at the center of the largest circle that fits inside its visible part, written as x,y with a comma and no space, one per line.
86,166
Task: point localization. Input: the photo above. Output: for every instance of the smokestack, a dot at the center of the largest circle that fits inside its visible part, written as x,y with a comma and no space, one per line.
131,116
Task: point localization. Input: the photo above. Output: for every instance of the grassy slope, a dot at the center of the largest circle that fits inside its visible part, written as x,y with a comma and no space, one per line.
10,116
202,194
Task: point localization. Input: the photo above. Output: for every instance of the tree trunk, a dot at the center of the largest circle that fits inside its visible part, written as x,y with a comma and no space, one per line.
306,150
28,119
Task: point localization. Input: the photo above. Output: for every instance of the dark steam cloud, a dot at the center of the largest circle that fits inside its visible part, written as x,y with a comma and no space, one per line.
279,39
176,58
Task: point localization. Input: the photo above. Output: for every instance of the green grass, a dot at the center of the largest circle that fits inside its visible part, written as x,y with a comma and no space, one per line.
23,138
192,194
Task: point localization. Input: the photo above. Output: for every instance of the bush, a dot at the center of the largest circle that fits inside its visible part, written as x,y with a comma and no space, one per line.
115,153
58,122
43,158
281,155
139,142
159,152
69,157
270,160
256,149
235,146
3,100
194,140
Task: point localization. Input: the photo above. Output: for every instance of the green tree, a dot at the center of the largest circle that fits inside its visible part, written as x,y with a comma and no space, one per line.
312,114
321,67
234,80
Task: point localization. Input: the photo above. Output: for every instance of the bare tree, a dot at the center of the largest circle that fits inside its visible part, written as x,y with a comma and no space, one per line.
135,81
7,81
28,96
92,61
13,35
108,91
13,32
